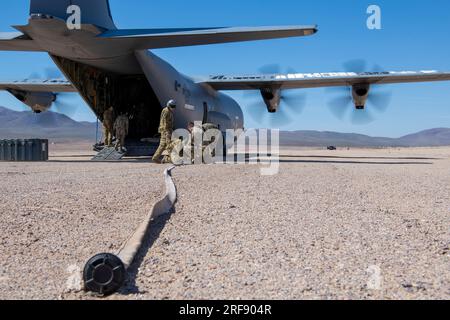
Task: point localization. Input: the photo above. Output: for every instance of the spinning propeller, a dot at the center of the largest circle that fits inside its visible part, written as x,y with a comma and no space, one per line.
63,102
287,103
346,98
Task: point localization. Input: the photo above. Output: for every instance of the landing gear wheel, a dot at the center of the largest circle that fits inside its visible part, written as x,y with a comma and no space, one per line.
104,274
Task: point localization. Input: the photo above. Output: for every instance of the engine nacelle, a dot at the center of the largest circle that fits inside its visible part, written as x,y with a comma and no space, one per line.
360,93
37,101
272,98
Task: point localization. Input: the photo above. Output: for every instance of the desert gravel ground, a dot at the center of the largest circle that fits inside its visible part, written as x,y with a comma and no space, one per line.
370,224
56,215
356,224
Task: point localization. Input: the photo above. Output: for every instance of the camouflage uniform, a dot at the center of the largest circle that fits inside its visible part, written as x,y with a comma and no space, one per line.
166,130
188,146
108,126
121,127
170,156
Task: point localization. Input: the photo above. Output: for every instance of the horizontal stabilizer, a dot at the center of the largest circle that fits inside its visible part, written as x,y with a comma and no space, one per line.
16,41
169,38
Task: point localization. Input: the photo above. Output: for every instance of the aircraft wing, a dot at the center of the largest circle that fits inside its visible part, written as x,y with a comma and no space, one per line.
317,80
167,38
17,41
55,85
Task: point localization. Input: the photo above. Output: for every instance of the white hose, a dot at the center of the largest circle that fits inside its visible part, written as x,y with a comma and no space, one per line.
129,250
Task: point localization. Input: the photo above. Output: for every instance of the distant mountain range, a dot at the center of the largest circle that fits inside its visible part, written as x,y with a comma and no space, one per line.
48,125
58,127
427,138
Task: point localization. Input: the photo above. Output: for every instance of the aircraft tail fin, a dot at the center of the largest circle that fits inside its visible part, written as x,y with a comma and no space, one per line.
95,12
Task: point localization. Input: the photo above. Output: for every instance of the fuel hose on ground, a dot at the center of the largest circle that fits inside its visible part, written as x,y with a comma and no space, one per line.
105,273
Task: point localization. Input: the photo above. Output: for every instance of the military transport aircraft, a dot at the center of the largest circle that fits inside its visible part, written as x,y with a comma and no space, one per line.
112,67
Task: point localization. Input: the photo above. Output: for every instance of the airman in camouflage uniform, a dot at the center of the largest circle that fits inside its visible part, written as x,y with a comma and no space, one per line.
121,127
165,129
108,126
173,157
172,154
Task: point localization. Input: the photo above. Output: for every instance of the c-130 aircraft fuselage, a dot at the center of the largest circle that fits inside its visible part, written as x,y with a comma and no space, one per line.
116,67
133,81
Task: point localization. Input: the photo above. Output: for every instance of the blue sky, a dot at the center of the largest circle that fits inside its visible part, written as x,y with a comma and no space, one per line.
415,36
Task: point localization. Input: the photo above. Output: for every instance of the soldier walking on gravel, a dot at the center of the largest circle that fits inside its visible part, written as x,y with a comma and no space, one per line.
165,129
121,127
108,126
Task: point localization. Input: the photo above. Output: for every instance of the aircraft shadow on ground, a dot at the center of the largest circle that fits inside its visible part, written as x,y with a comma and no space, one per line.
281,161
127,160
346,160
355,162
356,157
153,233
72,156
294,159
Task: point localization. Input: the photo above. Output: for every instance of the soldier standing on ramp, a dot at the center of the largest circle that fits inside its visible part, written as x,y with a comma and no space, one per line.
121,127
165,129
108,126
